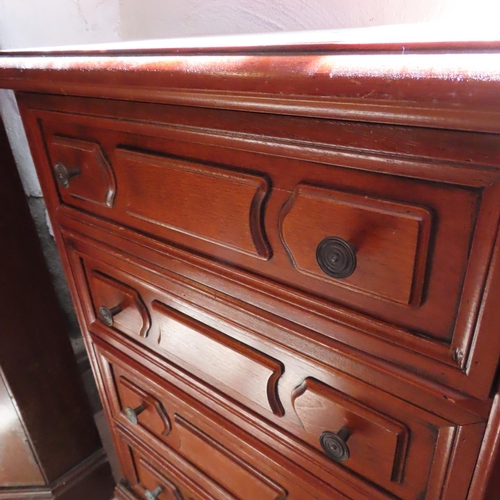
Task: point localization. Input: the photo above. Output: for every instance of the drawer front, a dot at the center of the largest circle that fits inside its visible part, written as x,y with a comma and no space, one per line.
226,465
148,479
323,419
392,245
373,246
230,217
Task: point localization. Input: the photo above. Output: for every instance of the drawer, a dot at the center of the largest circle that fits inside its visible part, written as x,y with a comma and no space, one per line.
146,478
193,443
322,418
397,246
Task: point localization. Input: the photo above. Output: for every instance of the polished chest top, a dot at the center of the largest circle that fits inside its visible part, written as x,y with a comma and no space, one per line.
284,260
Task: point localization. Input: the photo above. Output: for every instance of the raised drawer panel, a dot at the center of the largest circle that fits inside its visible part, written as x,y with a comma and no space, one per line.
224,466
143,475
203,201
118,305
374,442
145,410
219,357
389,242
153,481
82,172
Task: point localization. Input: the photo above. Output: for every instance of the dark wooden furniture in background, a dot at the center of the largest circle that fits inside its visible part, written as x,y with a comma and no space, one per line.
284,259
49,446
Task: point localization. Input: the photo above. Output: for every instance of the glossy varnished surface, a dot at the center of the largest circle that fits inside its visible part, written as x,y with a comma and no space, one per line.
422,229
199,187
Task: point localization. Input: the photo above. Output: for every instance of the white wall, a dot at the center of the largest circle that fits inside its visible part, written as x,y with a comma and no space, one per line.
156,19
56,22
173,18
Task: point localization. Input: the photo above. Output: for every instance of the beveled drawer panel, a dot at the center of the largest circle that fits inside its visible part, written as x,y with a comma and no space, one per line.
82,172
373,441
119,305
218,356
417,233
389,242
225,467
203,201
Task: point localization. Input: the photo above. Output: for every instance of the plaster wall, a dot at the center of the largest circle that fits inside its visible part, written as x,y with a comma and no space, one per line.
176,18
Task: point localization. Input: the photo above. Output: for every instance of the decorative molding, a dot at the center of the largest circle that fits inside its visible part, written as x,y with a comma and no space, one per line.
390,239
218,205
130,298
213,355
95,181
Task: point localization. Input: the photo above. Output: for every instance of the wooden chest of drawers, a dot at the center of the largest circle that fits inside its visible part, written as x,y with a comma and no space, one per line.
284,260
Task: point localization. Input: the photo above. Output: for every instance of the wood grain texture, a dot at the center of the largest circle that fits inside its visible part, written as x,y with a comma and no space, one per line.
234,316
133,317
95,180
231,166
211,453
219,357
455,206
204,202
225,467
426,80
153,417
377,443
390,240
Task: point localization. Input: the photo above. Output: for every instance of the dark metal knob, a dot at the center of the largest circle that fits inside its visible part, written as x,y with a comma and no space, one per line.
336,257
133,413
153,495
335,445
107,314
64,174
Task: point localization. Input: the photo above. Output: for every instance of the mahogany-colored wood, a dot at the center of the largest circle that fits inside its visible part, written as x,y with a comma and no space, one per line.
381,427
390,240
88,177
280,255
49,446
227,457
442,316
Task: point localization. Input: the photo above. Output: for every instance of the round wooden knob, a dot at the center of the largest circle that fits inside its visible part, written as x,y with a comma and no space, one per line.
336,257
107,314
153,495
133,413
64,174
335,444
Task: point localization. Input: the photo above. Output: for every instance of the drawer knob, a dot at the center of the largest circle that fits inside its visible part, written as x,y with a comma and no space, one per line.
64,174
335,444
107,314
133,413
153,495
336,257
